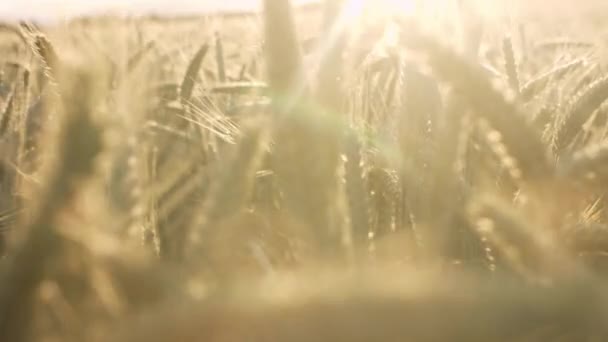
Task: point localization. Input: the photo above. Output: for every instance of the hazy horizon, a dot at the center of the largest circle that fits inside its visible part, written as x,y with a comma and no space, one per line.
54,9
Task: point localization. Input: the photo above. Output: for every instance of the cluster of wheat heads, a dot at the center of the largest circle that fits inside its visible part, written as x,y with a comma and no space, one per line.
343,189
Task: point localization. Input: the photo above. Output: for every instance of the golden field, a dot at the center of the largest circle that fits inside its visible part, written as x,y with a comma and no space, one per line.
334,172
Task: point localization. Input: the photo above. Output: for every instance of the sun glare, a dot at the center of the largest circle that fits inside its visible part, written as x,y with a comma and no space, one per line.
423,11
402,7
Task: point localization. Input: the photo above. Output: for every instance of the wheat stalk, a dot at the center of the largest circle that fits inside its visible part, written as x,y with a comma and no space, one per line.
580,110
510,64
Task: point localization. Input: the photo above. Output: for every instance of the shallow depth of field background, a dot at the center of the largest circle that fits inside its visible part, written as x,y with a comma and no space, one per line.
328,171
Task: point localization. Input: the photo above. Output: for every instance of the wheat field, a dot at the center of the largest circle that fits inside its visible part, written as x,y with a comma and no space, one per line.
318,173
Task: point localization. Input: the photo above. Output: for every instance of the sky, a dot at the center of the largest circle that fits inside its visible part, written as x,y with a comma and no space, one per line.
51,9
